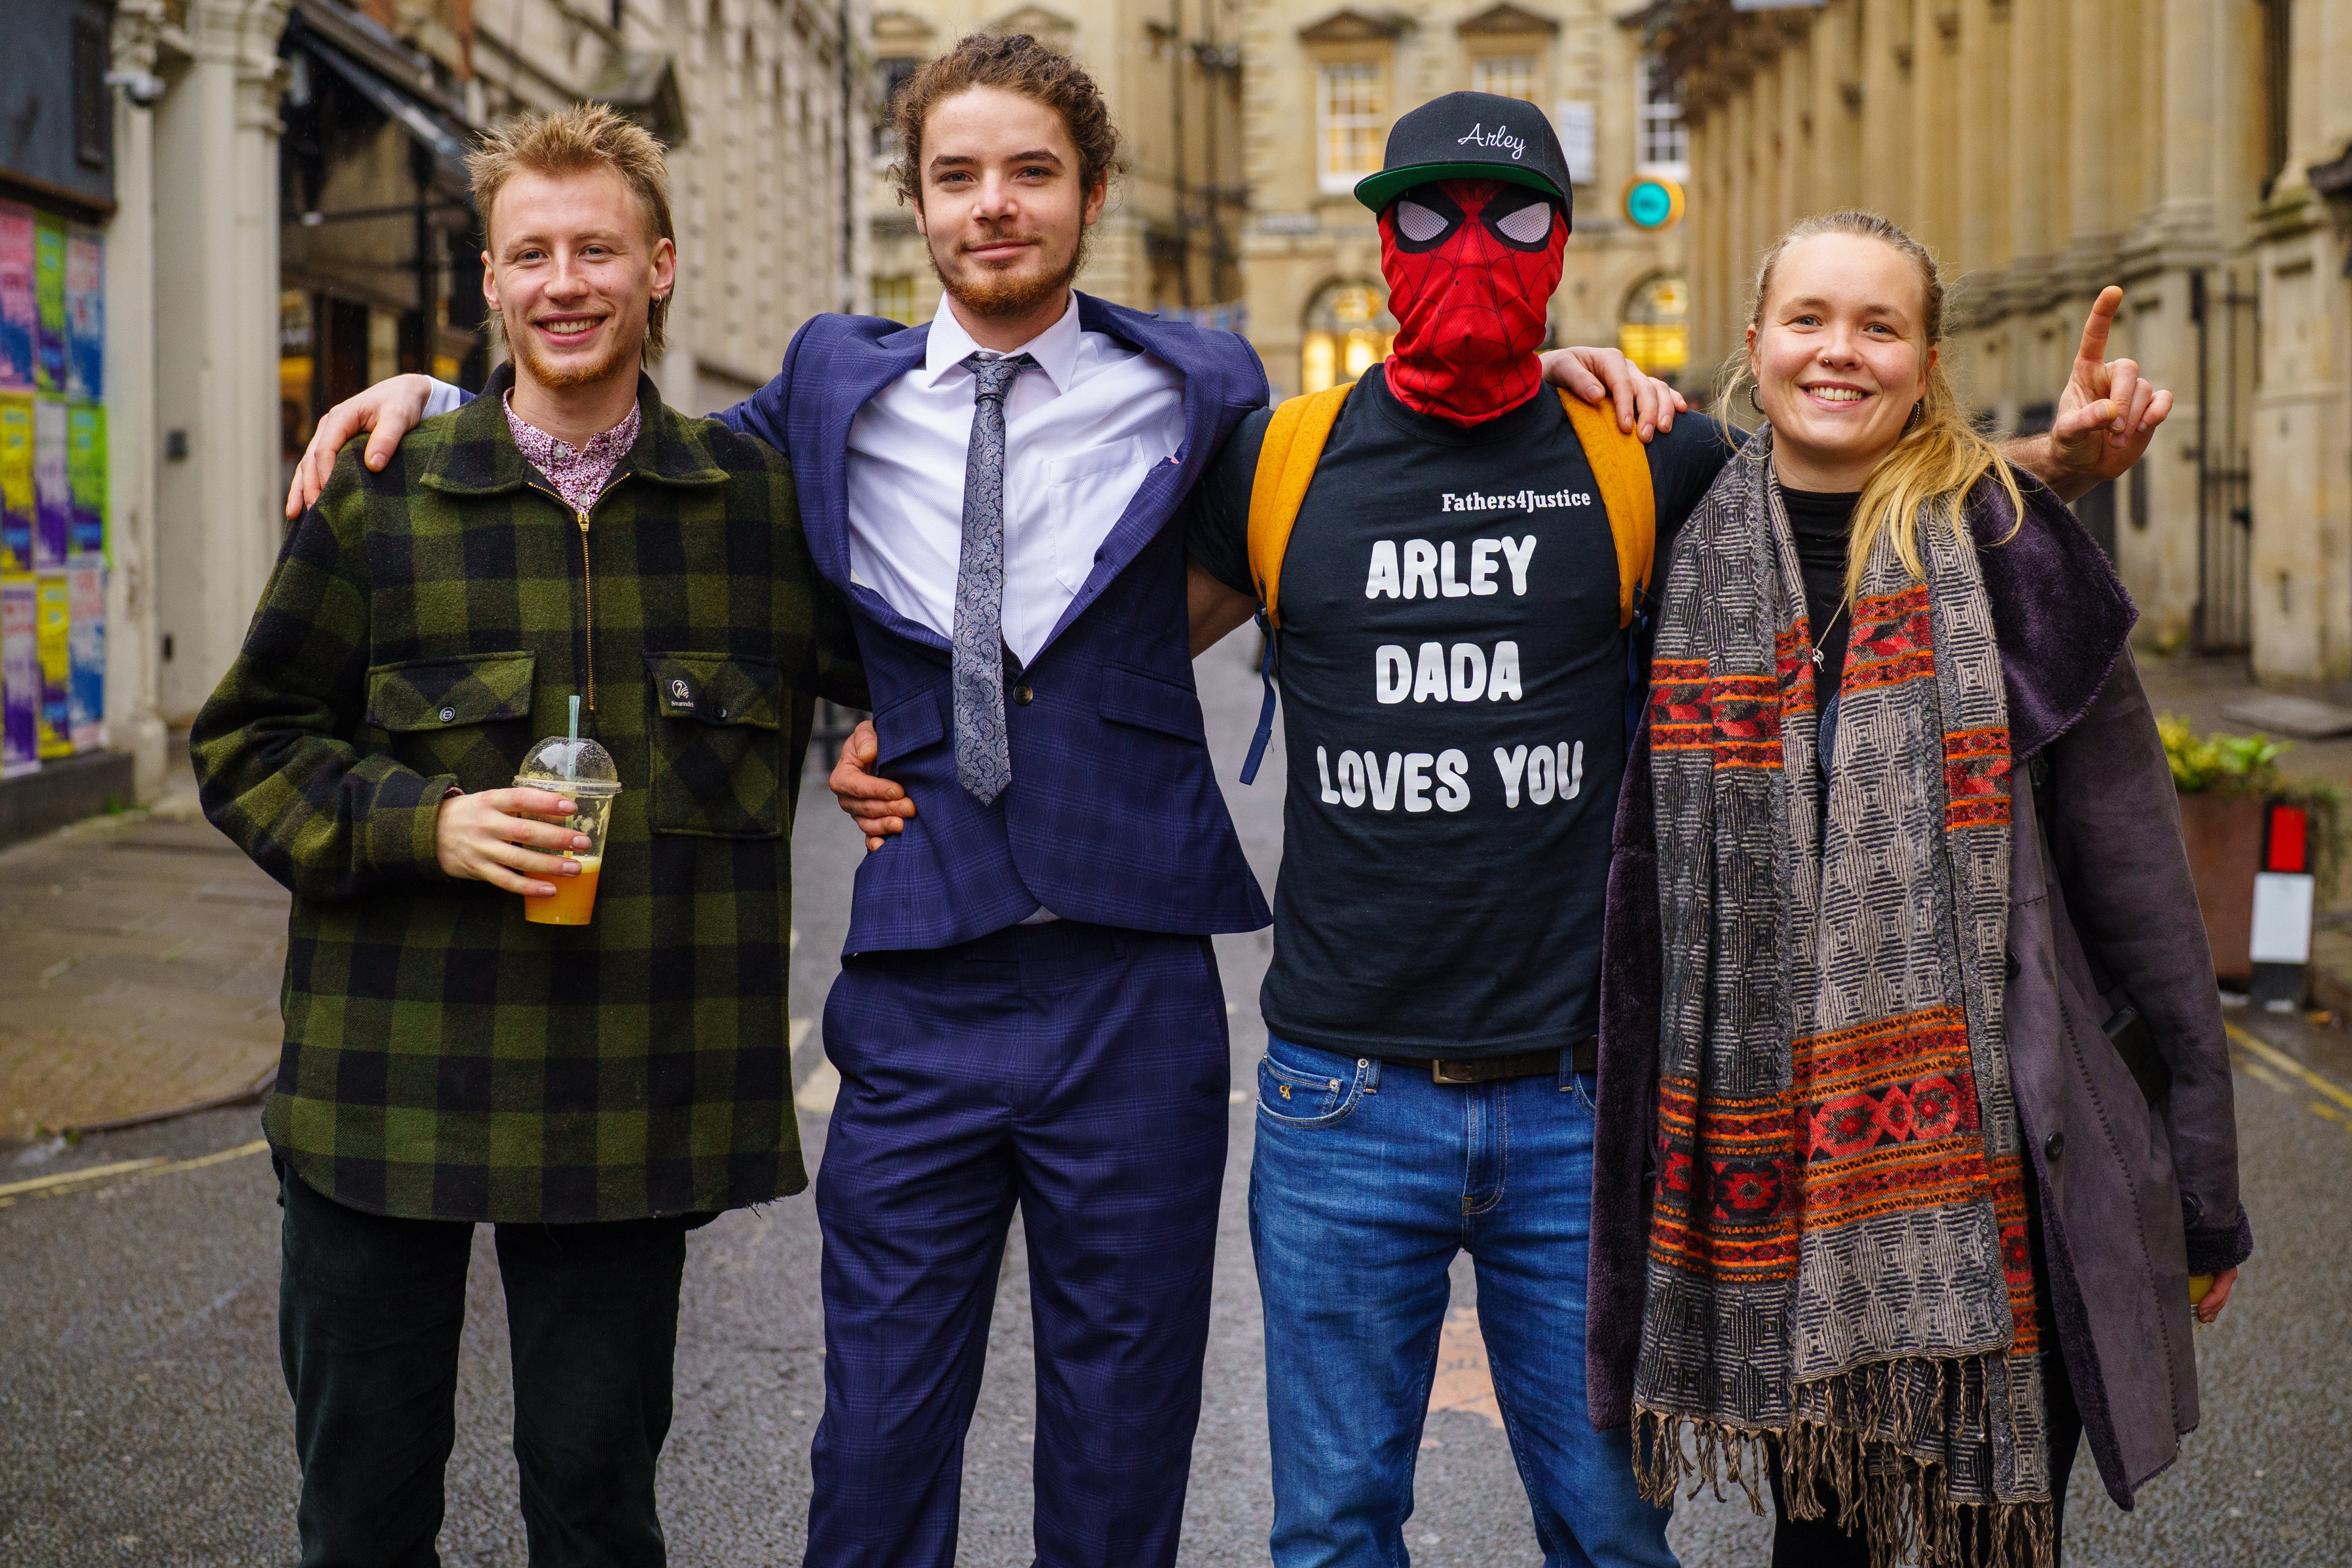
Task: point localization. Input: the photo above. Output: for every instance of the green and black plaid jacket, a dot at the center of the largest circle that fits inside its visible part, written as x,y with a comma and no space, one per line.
444,1058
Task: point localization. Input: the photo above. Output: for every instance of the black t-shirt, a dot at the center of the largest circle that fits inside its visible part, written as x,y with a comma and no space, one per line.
1453,684
1819,524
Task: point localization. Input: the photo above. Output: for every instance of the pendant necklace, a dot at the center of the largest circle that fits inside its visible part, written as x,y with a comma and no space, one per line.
1820,658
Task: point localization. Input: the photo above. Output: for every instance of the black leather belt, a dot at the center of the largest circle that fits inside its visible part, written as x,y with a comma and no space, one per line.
1586,1054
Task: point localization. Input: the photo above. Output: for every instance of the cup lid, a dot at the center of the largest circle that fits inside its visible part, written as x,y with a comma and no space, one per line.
580,766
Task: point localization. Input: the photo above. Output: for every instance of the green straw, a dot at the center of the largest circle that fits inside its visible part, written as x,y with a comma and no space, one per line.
572,752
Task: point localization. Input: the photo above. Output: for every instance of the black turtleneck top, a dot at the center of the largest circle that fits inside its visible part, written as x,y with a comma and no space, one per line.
1820,523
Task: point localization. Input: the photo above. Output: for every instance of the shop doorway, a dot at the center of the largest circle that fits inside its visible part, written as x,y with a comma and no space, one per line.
1348,331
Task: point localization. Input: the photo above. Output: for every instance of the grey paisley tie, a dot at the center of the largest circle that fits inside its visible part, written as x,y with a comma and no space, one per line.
983,762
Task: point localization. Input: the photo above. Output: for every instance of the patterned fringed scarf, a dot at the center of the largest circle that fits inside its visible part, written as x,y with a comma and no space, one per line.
1839,1281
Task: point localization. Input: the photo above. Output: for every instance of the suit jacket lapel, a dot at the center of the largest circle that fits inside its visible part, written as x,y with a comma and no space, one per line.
1167,482
845,383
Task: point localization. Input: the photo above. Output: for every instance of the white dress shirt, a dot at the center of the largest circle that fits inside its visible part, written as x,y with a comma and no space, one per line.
1080,432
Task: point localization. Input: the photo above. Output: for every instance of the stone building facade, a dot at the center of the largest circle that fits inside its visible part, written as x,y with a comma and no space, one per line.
1322,88
1170,70
289,223
2193,151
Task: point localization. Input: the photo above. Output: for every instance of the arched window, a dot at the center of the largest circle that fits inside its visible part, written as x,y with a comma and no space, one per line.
1654,331
1348,330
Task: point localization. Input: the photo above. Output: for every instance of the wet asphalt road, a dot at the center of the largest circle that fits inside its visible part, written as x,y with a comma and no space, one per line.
142,1420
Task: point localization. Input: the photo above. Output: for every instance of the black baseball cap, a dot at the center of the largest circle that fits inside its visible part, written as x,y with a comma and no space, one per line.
1470,136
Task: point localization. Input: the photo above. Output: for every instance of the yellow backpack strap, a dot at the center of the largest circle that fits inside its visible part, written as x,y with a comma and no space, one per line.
1285,466
1621,467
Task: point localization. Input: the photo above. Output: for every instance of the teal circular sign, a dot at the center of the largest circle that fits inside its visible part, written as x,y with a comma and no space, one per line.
1652,204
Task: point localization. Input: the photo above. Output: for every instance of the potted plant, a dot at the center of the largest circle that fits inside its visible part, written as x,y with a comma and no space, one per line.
2225,781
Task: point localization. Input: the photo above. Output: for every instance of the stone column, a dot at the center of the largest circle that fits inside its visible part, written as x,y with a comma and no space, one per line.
134,722
219,509
2302,426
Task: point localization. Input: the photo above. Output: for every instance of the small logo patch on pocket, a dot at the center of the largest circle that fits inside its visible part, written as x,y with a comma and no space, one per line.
681,692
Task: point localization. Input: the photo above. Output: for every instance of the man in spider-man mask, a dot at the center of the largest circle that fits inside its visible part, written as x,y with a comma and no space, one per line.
1453,658
1455,608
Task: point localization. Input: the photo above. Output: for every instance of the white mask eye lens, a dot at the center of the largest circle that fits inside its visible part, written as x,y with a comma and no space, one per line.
1527,225
1417,223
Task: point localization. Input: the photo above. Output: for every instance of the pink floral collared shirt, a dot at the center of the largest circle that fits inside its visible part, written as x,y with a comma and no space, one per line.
578,473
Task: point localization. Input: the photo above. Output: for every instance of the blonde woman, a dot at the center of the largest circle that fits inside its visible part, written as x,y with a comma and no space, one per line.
1919,1221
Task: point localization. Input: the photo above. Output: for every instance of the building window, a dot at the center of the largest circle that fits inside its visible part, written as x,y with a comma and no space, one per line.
889,75
93,109
1663,140
1348,123
1348,330
2278,63
1506,76
1655,331
894,297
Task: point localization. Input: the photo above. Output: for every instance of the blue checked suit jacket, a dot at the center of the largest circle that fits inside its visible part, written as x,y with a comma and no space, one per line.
1114,816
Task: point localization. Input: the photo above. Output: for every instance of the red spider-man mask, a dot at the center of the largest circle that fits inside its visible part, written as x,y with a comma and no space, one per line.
1471,267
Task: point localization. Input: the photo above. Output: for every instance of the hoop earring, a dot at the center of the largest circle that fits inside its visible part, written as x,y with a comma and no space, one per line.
1751,398
1918,412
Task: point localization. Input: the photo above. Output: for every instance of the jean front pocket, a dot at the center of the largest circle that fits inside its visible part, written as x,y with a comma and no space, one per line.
1294,1097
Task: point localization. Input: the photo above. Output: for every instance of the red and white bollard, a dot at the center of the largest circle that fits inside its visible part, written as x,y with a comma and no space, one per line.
2283,901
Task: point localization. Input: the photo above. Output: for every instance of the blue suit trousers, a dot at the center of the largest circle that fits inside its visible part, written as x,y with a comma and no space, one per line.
1081,1073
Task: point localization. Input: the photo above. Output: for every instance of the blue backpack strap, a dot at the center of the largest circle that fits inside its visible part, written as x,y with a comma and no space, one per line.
1266,709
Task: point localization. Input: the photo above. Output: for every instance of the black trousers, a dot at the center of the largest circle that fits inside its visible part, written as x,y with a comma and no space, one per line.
369,1312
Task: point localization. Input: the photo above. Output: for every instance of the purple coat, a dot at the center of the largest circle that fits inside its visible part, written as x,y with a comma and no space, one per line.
2133,1198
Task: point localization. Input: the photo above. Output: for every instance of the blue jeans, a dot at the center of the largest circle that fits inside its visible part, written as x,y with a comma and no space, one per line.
1368,1179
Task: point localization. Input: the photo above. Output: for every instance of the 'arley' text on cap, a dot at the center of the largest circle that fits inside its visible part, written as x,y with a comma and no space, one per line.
1499,137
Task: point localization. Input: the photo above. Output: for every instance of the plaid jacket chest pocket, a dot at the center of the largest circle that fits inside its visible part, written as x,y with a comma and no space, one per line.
717,745
469,717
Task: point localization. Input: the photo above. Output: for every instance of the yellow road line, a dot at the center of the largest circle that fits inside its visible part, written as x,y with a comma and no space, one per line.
67,1183
89,1174
2289,1065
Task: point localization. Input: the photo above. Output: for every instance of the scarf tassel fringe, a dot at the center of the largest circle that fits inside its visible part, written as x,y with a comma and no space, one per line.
1901,1503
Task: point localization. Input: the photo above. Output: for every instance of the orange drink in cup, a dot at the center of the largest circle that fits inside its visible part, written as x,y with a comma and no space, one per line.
583,773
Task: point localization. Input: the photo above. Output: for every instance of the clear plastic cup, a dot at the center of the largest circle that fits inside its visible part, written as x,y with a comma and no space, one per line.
583,773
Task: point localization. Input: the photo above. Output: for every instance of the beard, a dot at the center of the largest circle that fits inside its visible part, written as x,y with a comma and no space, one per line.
555,377
988,294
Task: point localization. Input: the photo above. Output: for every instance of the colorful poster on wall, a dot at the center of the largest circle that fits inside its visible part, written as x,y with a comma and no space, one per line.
85,313
20,678
53,645
20,318
86,477
16,482
50,303
86,650
52,485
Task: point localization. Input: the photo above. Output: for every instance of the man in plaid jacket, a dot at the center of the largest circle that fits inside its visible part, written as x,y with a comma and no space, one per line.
594,1091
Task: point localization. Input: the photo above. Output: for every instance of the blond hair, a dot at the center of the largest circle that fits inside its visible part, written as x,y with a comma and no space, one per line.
568,142
1936,461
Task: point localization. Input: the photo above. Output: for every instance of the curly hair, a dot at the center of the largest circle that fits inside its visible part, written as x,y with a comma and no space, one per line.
1014,62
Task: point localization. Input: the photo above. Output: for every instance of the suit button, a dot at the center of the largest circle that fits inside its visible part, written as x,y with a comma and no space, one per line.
2055,1146
1023,695
2009,963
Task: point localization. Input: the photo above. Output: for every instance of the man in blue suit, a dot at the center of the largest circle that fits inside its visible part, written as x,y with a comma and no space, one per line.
1029,1011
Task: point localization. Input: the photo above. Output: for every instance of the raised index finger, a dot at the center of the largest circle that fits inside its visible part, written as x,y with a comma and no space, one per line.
2094,331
